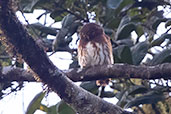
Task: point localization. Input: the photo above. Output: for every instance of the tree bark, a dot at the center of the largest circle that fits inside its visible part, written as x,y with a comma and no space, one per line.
9,74
95,73
121,71
82,101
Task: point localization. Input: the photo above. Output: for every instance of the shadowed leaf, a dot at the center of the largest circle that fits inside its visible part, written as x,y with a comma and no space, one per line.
35,103
123,54
27,5
63,108
168,23
160,40
119,5
90,86
113,4
137,89
44,29
164,56
151,97
139,51
125,28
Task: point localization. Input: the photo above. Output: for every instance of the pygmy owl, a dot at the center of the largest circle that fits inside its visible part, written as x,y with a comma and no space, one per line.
94,47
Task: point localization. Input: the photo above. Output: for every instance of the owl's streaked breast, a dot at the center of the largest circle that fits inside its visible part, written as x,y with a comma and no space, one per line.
94,53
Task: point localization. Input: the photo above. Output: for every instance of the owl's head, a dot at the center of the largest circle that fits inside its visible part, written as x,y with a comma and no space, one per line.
90,31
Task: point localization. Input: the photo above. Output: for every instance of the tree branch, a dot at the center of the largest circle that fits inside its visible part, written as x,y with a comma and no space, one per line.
9,74
82,101
97,72
121,71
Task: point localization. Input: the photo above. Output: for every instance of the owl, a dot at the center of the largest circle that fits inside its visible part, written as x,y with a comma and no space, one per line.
94,48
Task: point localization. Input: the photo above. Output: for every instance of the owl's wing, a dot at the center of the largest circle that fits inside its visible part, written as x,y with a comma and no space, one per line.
110,48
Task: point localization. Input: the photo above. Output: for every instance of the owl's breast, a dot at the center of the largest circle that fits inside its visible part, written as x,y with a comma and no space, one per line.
93,53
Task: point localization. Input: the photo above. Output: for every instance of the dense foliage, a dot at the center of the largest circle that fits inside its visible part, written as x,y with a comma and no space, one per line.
135,30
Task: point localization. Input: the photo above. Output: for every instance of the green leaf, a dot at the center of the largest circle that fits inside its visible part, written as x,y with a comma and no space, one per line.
52,110
27,5
35,103
148,4
119,5
58,15
160,40
157,18
113,23
90,86
73,28
108,94
123,53
125,28
63,108
164,56
157,22
127,42
69,27
137,89
108,31
43,108
124,6
168,23
68,20
125,31
44,29
151,97
139,30
121,96
139,51
124,21
46,5
113,4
